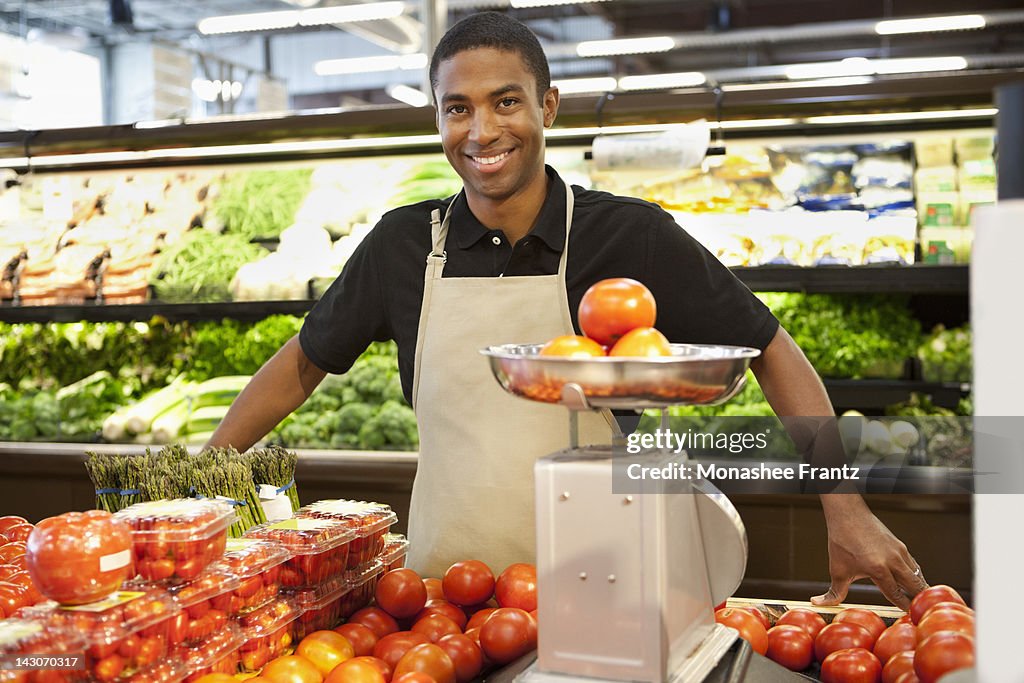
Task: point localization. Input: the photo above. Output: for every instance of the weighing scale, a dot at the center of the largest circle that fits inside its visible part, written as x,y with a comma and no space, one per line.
628,581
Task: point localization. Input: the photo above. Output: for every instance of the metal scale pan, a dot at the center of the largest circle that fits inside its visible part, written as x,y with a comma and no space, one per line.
628,583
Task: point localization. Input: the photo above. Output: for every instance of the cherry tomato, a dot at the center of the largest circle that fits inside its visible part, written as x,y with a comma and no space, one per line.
747,624
445,609
941,654
471,582
932,596
435,627
944,620
429,659
478,619
375,619
897,638
392,647
435,589
871,622
326,650
401,593
465,655
356,670
611,308
517,587
642,342
899,664
362,638
841,636
109,668
509,633
569,346
791,647
851,665
291,669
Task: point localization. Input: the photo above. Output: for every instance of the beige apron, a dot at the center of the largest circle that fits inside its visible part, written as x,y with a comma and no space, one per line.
473,494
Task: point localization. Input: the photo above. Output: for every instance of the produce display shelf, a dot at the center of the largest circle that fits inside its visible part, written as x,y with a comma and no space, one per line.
873,394
882,279
238,310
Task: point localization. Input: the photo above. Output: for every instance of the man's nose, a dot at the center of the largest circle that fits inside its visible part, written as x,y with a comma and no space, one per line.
484,129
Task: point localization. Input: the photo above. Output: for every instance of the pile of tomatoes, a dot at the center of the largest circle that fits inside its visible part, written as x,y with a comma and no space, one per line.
368,521
17,588
23,637
217,654
321,606
617,316
257,564
319,548
268,633
935,638
206,606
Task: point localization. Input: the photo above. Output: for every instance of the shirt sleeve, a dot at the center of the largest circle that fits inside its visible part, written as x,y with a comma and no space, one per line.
700,301
350,315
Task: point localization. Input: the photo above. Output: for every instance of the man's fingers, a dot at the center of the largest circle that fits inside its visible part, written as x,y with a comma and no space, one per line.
835,595
890,588
910,578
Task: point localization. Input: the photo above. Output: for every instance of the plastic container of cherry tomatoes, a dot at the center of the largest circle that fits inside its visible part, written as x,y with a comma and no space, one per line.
396,547
361,590
319,548
369,521
321,607
175,540
26,637
257,564
124,633
220,653
268,631
171,670
206,606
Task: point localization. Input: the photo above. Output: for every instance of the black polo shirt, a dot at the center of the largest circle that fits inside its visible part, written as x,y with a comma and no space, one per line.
379,293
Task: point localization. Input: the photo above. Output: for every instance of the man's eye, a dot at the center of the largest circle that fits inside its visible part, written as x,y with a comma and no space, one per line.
457,109
508,101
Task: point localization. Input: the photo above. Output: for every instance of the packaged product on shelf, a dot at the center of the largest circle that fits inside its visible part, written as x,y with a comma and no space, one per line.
207,603
319,548
268,633
890,238
220,653
369,521
304,253
321,606
396,548
257,564
361,589
68,275
24,637
175,540
933,151
171,670
125,633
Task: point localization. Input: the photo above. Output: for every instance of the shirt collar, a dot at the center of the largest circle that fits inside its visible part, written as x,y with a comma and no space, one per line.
549,228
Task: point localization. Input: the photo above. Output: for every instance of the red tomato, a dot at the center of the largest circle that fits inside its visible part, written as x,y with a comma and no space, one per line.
959,607
7,521
611,308
326,650
944,620
291,669
908,677
897,638
8,569
429,659
871,622
642,342
471,582
359,670
569,346
898,665
392,647
747,624
808,620
517,587
109,668
435,590
478,619
80,557
216,678
375,619
791,647
465,655
942,653
509,633
445,609
852,665
18,533
401,593
9,551
12,598
415,677
905,619
929,597
761,616
435,627
841,637
362,638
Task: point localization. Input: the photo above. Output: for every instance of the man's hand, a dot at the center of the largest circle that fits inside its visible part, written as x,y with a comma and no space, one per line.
860,546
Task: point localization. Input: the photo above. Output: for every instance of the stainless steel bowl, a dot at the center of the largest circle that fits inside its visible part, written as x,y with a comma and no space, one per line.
694,374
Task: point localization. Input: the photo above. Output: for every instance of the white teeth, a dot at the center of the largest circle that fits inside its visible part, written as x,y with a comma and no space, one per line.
487,161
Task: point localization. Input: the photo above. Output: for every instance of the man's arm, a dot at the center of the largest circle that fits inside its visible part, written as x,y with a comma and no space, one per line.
859,545
281,385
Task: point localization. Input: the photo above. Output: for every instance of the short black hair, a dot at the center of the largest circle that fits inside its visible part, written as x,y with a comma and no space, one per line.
498,31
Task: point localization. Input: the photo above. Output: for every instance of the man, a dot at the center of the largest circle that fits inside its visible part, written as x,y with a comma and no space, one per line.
507,261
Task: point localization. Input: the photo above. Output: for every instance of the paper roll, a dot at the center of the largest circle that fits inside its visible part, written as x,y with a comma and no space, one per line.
679,147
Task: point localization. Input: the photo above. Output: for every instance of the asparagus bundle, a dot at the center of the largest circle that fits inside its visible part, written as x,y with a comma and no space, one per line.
276,466
225,473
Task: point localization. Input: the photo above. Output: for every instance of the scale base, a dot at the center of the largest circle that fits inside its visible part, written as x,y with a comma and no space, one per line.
694,668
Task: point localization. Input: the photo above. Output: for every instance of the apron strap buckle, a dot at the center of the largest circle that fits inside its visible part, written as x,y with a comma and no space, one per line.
443,256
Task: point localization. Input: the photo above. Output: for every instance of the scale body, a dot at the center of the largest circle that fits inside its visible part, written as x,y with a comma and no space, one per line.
628,581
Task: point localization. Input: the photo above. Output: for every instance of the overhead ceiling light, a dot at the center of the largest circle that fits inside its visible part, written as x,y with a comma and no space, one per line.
317,16
918,65
576,86
407,95
624,46
752,123
899,116
927,24
519,4
842,81
364,65
851,66
683,79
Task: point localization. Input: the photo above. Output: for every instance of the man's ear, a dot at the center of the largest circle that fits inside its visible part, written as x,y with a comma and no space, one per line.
550,106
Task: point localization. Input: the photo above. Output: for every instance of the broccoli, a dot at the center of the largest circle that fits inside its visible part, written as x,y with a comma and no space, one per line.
394,425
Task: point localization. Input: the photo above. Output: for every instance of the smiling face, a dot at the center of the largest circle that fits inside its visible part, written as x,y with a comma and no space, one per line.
492,122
